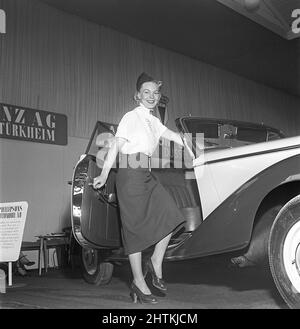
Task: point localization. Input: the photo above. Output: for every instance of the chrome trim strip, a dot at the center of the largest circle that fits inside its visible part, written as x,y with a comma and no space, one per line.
251,154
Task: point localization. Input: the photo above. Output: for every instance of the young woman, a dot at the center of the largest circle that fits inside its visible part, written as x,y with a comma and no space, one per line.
149,215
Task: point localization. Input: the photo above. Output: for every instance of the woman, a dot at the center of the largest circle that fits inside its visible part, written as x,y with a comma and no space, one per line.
149,215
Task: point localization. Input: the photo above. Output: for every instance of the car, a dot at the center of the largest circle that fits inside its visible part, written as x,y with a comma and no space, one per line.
240,192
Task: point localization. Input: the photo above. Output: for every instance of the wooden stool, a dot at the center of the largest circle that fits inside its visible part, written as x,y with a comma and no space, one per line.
48,241
37,245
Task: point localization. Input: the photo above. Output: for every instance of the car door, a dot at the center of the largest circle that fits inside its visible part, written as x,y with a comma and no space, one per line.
95,214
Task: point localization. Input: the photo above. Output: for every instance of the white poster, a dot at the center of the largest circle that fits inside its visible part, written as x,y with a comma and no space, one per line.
12,223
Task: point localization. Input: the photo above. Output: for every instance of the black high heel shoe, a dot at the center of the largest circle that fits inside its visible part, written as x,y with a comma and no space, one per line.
156,281
137,295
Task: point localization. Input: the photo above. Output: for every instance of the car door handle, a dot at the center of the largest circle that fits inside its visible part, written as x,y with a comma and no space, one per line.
109,198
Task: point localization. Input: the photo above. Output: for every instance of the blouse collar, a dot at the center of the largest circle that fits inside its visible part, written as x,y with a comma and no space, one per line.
144,110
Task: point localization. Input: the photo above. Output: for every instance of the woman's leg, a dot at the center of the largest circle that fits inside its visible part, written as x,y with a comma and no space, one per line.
136,268
158,254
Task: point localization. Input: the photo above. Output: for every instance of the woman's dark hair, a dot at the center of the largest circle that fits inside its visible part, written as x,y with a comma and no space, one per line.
144,77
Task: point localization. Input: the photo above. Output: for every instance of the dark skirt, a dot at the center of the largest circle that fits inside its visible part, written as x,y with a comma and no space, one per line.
148,212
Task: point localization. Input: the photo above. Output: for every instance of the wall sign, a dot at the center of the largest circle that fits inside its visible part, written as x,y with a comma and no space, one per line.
12,223
33,125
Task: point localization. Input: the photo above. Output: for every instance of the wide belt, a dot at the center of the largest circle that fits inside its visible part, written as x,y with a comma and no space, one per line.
136,160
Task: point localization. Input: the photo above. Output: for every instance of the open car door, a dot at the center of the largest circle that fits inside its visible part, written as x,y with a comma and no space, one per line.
95,216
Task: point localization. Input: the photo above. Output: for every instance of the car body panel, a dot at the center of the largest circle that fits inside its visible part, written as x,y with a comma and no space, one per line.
229,226
234,167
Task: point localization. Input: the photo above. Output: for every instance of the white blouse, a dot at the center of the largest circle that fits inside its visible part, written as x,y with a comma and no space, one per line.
141,130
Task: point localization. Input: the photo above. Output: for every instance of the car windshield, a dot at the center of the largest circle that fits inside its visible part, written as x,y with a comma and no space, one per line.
224,133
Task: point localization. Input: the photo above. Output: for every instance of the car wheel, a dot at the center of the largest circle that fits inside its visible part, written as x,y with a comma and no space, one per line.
284,252
94,269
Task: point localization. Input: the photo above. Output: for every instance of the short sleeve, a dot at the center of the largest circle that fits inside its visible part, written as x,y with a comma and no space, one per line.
125,127
159,127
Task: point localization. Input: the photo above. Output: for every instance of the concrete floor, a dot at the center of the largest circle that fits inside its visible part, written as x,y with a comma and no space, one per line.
207,283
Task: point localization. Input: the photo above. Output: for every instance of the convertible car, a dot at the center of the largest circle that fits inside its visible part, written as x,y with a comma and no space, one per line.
240,192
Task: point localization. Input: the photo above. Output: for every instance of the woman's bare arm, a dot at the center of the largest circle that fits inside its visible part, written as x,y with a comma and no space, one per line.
176,137
116,146
173,136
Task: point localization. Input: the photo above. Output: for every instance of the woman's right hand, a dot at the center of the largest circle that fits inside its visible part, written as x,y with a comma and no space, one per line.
99,181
